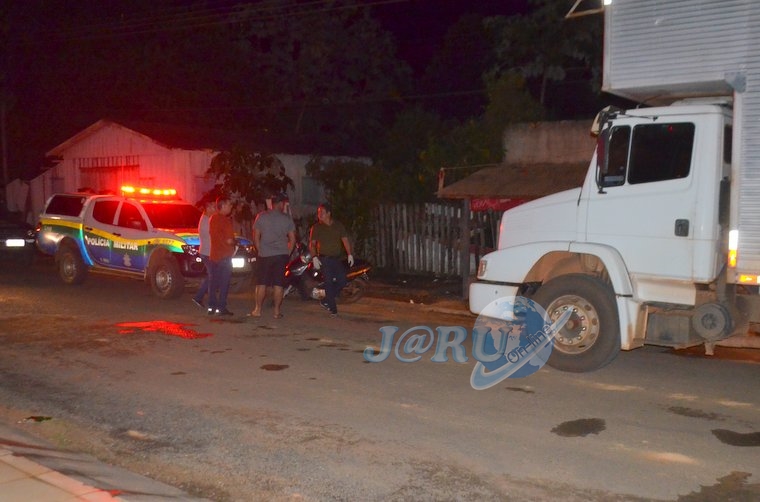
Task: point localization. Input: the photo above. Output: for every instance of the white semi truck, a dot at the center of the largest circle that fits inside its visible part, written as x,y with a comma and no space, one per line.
661,244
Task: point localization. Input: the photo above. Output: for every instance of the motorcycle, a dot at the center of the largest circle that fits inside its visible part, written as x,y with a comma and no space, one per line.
302,277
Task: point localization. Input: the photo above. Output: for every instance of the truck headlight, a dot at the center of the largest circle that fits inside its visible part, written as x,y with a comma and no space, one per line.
482,267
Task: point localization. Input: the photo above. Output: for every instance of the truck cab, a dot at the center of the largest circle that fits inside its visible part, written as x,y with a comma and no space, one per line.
638,251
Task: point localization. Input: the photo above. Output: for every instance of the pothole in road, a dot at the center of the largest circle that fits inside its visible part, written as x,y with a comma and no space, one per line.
737,438
274,367
694,413
580,428
521,389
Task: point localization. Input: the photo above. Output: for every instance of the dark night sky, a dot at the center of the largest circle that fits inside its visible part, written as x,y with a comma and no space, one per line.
418,25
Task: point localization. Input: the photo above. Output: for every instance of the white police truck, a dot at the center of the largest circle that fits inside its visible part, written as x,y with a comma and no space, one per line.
144,233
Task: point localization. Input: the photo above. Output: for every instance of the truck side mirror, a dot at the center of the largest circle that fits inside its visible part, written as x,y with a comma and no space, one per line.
602,144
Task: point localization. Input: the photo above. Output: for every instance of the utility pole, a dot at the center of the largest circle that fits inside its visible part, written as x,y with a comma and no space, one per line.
4,148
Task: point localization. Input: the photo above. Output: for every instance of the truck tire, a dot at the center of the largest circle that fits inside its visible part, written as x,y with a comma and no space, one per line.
71,266
165,277
591,338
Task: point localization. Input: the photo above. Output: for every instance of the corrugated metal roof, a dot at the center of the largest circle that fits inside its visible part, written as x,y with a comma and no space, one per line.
523,181
187,137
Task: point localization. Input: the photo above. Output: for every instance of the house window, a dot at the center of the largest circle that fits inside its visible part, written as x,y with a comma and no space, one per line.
108,174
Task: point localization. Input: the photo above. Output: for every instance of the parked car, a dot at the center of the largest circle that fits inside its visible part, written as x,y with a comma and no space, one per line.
17,242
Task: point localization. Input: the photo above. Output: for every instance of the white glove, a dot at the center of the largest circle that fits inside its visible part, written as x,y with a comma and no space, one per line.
350,260
317,263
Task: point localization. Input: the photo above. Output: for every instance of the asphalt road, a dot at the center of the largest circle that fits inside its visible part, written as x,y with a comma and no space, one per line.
289,409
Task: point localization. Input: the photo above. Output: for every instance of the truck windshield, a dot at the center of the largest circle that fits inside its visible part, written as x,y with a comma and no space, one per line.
173,215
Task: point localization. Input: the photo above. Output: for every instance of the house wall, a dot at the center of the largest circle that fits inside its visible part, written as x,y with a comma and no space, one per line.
159,166
563,142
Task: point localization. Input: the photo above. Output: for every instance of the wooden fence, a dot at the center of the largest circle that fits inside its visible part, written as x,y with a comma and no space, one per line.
426,238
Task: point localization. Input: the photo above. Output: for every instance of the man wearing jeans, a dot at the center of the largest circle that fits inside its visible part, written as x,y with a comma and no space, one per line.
220,257
204,249
328,244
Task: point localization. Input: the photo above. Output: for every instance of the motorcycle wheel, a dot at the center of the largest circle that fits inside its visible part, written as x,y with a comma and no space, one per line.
353,291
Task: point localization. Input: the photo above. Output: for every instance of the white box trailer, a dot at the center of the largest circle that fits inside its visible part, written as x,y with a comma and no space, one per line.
658,51
661,244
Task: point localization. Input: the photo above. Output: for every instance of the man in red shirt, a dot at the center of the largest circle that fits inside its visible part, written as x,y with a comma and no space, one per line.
220,258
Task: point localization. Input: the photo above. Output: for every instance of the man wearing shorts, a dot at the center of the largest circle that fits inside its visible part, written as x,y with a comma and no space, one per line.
274,235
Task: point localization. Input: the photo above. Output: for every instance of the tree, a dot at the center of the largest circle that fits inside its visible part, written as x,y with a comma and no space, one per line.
325,71
453,81
419,144
566,47
401,157
353,189
252,177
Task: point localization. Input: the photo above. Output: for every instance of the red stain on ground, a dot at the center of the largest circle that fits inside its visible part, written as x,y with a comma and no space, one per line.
167,328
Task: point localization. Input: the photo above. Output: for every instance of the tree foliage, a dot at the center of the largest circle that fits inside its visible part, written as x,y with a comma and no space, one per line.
249,177
420,143
328,72
353,189
544,46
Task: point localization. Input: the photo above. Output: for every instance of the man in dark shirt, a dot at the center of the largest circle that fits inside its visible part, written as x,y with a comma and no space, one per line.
328,243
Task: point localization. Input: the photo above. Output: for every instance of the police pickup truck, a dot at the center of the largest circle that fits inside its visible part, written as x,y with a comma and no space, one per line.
148,234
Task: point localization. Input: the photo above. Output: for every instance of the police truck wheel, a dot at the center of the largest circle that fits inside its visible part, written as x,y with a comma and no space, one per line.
166,280
591,337
71,266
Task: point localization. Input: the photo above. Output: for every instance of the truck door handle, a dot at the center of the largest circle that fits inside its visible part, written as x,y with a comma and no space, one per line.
89,229
117,235
682,228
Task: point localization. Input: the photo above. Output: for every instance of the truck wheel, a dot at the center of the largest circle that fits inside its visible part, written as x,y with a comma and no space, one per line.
165,277
71,267
590,339
353,291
